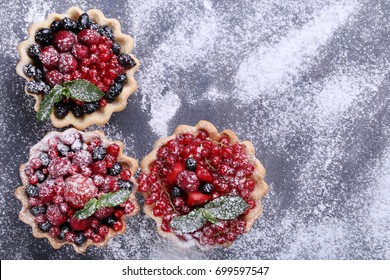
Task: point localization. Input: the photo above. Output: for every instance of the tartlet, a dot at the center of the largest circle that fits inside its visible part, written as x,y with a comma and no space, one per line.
67,171
79,46
195,169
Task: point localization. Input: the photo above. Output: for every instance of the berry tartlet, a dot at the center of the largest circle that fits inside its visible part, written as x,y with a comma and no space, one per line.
78,67
77,189
202,187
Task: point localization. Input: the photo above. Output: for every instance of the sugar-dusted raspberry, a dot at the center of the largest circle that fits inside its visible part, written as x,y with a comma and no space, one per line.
79,190
188,181
82,158
67,63
46,191
59,167
80,51
89,37
79,225
49,57
104,213
54,215
64,40
54,77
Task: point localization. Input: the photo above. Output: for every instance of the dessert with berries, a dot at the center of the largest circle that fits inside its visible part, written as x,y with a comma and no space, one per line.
202,187
77,189
78,67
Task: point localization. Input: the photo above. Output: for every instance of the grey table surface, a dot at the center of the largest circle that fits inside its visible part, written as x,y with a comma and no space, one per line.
306,81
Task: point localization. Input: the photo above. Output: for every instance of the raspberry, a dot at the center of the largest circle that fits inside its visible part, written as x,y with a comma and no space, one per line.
54,215
46,191
104,212
188,181
79,190
79,225
54,77
67,63
64,40
99,167
49,57
80,51
59,167
82,158
88,37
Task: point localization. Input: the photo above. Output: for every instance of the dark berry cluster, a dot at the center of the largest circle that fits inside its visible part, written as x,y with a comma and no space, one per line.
72,50
192,170
65,176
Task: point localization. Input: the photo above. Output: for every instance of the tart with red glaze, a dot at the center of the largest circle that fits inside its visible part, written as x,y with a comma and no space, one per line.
78,67
202,187
78,187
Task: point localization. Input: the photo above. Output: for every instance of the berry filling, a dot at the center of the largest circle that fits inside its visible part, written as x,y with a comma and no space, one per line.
77,50
63,180
194,173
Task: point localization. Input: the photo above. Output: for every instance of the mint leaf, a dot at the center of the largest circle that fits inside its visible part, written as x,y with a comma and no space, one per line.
89,208
83,90
209,216
47,104
227,207
190,222
113,198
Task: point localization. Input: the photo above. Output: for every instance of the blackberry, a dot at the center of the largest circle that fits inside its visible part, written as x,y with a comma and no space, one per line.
116,48
110,221
191,164
90,107
44,37
107,31
115,169
33,72
69,24
126,60
99,153
41,176
33,51
80,239
65,228
77,112
44,157
77,145
63,149
125,184
206,188
61,111
121,78
45,227
93,25
82,22
56,26
176,191
32,190
38,210
113,92
37,87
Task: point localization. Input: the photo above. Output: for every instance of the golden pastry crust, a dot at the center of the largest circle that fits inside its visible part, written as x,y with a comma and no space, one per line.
102,115
26,216
261,187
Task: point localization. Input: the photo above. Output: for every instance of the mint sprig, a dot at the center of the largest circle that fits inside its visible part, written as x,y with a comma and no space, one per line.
78,89
110,199
221,208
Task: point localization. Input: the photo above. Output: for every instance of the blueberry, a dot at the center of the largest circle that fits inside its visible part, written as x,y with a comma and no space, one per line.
61,111
126,60
63,149
77,145
191,164
90,107
37,87
121,78
80,239
65,228
93,25
33,51
115,169
106,31
206,188
124,184
110,221
82,21
32,191
44,157
38,210
44,37
113,92
41,176
176,191
45,227
116,48
99,153
69,24
56,26
33,72
77,112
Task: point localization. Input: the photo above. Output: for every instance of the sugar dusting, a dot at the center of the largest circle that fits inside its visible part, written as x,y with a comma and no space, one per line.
306,82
